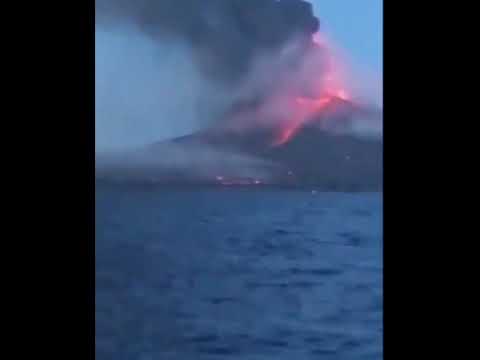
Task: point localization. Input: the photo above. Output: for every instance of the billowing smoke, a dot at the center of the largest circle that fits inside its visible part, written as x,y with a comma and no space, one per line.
166,68
225,34
169,68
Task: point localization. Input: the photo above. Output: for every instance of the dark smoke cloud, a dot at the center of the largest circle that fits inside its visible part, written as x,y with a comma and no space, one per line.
226,34
167,68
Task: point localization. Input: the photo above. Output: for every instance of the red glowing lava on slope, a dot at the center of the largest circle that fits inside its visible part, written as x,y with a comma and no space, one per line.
304,108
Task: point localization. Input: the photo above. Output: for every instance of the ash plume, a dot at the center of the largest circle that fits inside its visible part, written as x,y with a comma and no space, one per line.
225,34
168,68
226,89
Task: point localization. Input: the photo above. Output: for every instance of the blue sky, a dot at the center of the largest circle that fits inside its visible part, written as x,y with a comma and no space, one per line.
356,26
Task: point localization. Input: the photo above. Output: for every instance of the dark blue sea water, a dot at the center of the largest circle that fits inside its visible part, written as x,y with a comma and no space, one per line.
237,274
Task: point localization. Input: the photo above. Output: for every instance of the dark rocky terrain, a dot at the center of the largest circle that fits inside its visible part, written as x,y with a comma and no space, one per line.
322,153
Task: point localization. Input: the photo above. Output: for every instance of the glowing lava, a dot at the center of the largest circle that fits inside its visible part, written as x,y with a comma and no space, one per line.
305,108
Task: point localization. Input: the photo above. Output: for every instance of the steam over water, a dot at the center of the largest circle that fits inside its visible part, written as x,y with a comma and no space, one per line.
237,274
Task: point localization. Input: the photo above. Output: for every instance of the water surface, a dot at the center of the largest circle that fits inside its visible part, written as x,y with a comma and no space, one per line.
237,274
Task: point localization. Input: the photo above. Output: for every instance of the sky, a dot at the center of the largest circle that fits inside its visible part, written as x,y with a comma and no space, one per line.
356,26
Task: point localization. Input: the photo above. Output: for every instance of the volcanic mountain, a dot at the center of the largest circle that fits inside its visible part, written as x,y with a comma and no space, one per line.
291,119
333,145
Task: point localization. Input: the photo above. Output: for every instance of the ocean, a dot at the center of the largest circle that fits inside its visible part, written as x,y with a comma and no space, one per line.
238,273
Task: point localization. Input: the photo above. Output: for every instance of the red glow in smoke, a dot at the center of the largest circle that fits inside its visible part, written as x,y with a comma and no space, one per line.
304,108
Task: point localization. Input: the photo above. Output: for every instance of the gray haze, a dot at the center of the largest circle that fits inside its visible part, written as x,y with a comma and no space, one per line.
169,68
147,91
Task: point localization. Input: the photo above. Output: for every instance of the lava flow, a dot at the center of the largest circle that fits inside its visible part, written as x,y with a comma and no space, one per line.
305,108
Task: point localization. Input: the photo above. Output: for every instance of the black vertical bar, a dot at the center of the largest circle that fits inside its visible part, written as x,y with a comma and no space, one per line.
85,119
54,264
85,122
89,114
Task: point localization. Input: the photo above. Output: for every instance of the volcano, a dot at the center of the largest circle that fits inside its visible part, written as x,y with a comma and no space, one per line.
291,119
327,149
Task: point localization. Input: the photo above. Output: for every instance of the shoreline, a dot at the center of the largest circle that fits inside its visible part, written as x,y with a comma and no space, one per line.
302,187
